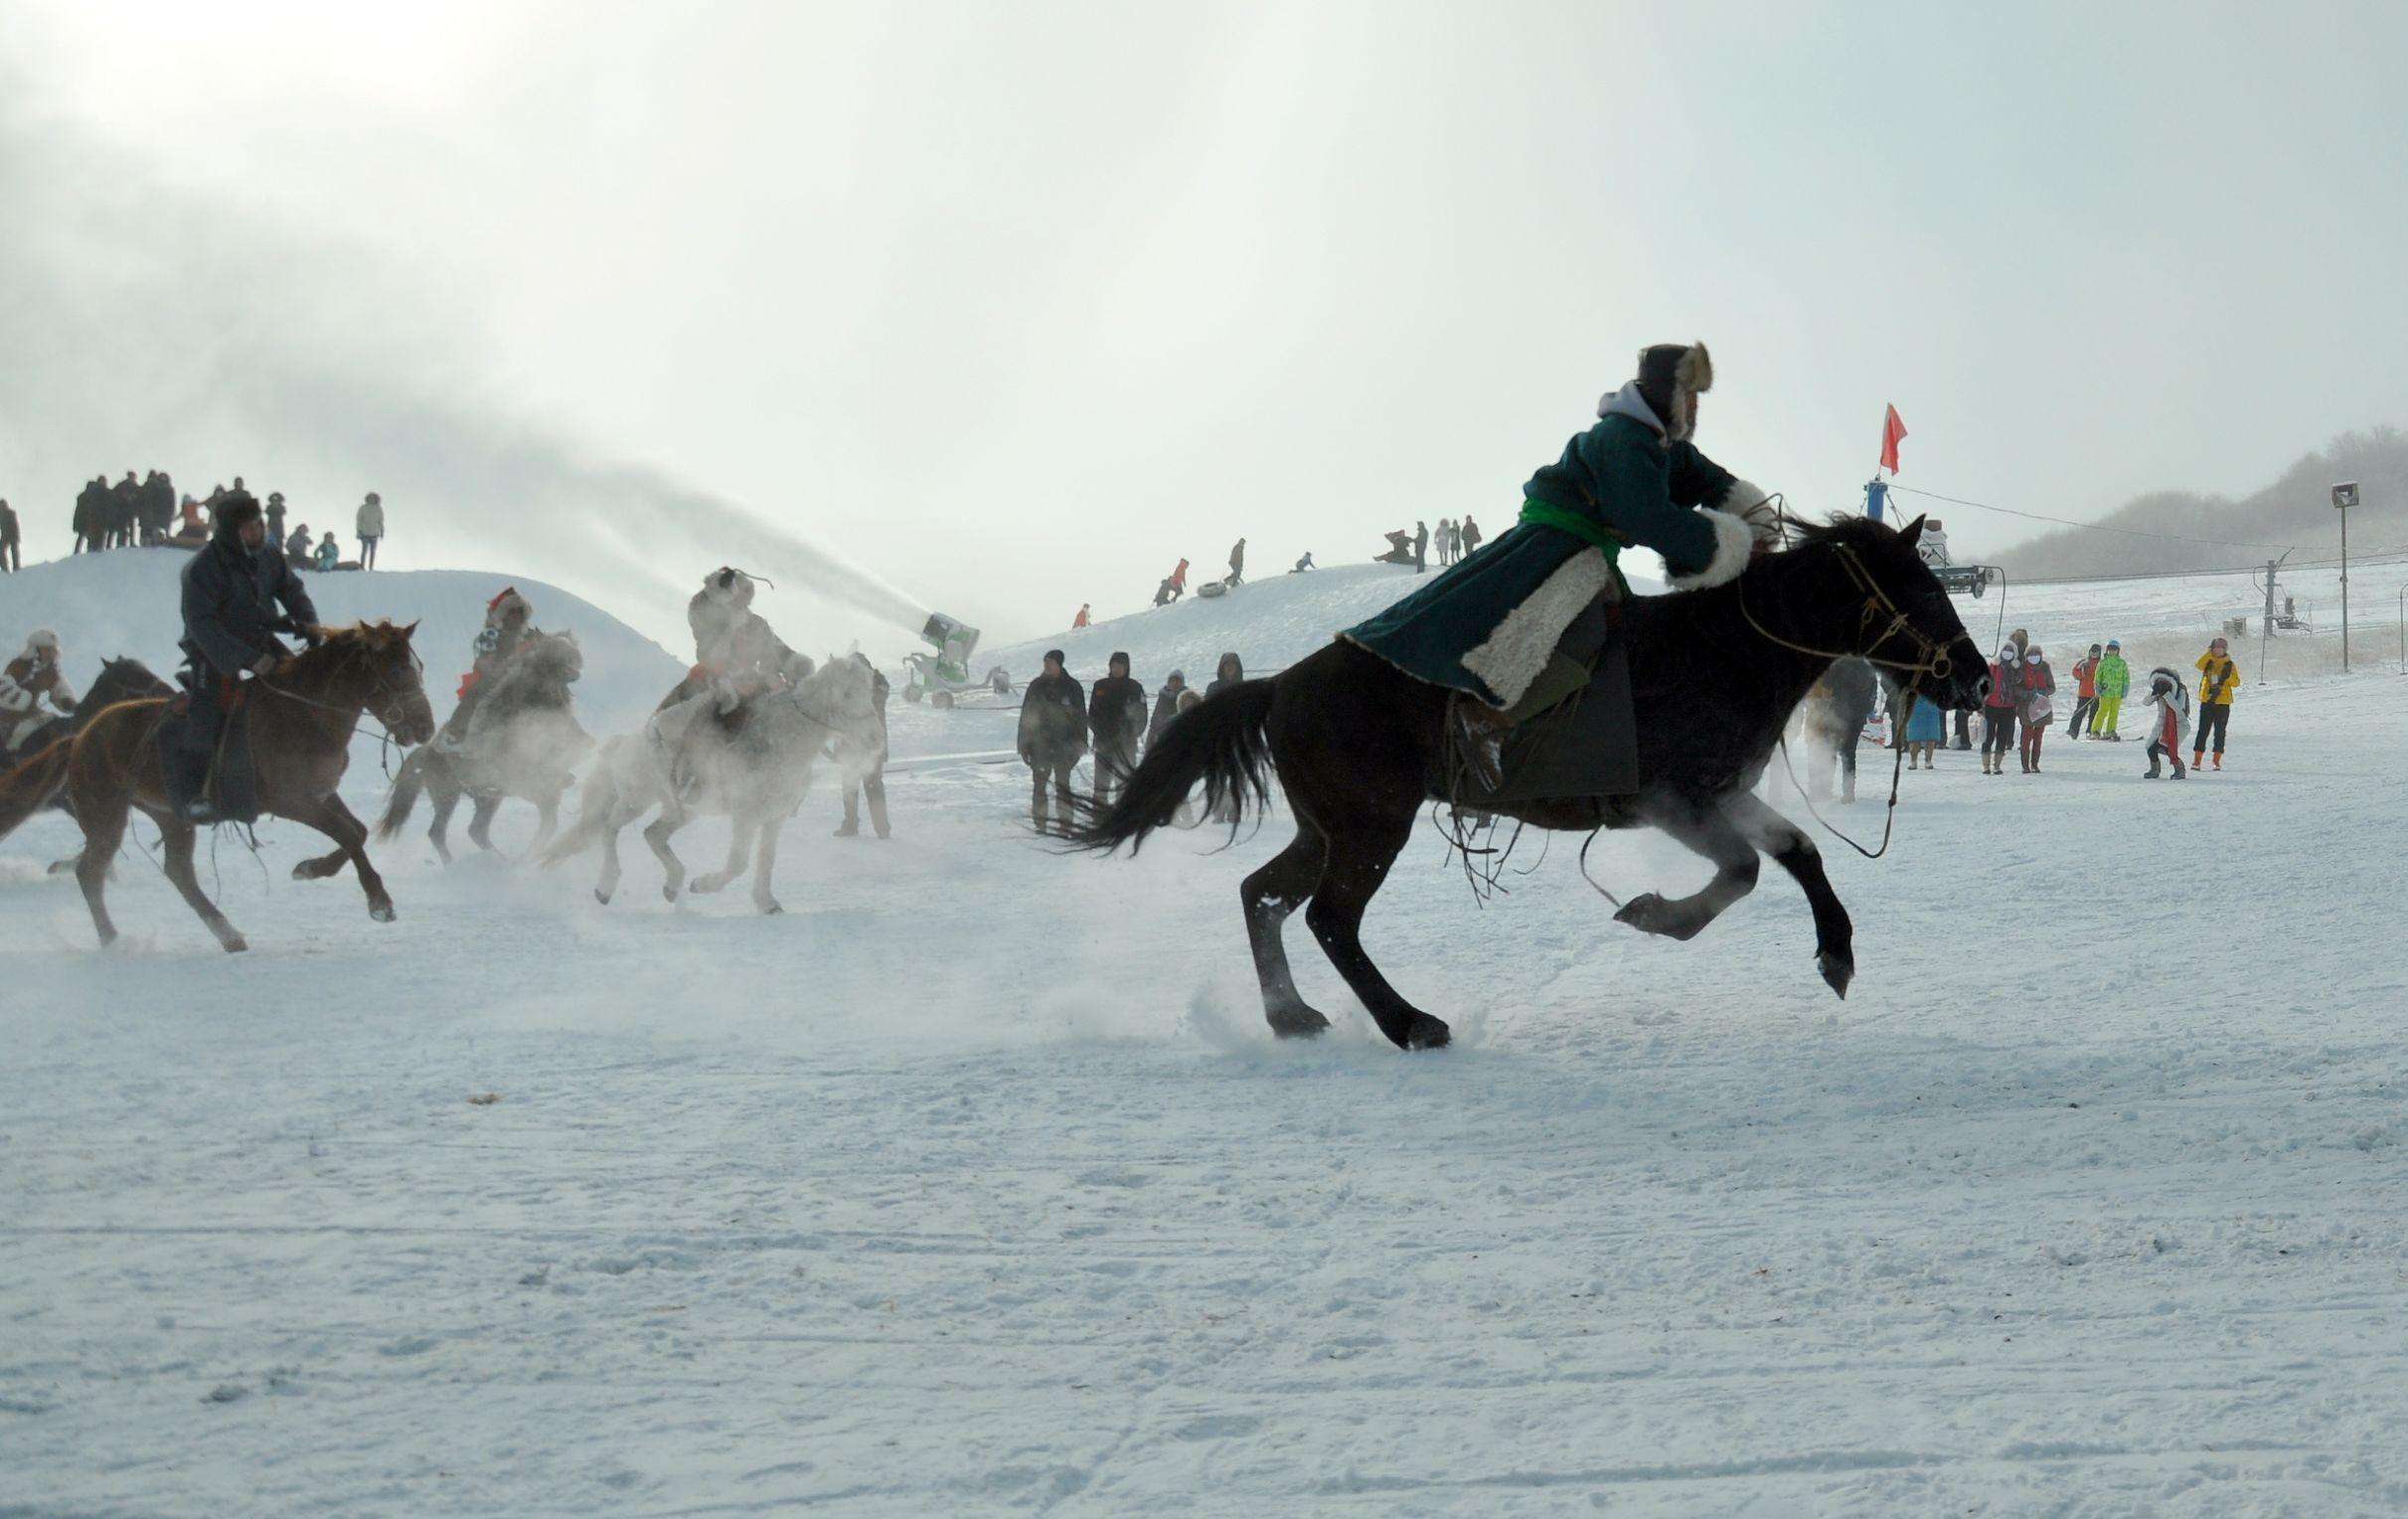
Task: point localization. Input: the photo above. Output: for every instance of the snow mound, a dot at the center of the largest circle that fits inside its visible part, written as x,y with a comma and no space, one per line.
125,603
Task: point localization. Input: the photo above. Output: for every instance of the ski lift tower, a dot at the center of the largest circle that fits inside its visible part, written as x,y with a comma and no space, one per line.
2345,496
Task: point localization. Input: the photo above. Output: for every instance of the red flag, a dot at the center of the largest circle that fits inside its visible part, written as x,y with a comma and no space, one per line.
1893,430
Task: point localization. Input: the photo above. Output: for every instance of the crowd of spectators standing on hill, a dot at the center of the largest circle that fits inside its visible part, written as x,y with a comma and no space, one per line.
147,512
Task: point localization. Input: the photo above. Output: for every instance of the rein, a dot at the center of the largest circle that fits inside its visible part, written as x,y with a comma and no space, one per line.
385,742
1934,662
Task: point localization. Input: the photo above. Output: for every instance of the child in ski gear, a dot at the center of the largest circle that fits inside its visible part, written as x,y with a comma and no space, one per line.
2037,711
1998,707
1174,585
1926,731
1052,736
2219,682
1303,563
328,555
2085,692
2114,679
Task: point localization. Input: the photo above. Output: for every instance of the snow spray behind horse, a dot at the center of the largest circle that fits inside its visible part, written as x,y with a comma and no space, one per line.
1359,747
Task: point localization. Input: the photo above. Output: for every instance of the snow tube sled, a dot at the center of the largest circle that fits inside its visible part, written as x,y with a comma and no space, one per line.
1210,589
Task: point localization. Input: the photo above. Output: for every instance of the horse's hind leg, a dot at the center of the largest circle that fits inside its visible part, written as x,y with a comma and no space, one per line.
480,822
1270,895
548,822
438,826
177,837
1357,865
1684,917
657,833
1793,851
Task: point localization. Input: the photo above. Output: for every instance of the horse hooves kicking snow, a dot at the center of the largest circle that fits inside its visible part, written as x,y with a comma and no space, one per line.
1837,973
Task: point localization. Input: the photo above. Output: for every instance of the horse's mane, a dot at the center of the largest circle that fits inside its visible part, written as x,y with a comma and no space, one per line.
351,646
1843,530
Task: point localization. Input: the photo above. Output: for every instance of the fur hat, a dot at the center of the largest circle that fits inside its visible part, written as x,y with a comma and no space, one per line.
1669,374
728,584
42,638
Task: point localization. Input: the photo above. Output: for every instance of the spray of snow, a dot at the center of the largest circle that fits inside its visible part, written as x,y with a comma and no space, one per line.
188,333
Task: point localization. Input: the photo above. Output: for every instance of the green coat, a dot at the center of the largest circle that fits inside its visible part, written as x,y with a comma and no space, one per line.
2113,677
1620,482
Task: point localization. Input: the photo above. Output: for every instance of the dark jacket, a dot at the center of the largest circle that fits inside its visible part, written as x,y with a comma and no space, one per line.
1053,720
1116,714
1166,707
8,523
232,599
1232,671
1849,690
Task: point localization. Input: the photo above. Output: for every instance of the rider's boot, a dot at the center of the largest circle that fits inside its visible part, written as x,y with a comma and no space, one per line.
1480,731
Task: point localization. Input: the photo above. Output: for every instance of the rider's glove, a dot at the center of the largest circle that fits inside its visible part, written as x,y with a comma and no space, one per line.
266,664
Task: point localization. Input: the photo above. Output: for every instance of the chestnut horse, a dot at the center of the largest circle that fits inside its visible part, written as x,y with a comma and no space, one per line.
301,719
1360,746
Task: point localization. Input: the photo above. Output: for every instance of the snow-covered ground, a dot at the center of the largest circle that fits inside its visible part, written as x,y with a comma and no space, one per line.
976,1183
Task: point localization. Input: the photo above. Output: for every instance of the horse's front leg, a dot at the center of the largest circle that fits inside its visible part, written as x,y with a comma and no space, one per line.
480,821
741,829
764,863
1793,851
1710,834
548,822
332,819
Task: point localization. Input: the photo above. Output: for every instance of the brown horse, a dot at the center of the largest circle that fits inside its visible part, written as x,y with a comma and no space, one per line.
301,719
1361,747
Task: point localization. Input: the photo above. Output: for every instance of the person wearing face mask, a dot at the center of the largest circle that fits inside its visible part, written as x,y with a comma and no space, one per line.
2038,710
1998,707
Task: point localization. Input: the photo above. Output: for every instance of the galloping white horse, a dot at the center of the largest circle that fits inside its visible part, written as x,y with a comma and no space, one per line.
752,765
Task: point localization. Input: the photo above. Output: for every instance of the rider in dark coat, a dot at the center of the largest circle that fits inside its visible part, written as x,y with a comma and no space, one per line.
236,596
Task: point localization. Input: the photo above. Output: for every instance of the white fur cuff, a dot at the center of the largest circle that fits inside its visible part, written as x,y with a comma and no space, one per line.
1754,503
1734,541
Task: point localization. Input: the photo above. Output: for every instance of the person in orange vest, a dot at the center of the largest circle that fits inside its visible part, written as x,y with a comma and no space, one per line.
1080,620
2085,692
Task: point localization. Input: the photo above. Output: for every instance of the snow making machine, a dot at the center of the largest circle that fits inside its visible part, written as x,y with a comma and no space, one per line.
937,678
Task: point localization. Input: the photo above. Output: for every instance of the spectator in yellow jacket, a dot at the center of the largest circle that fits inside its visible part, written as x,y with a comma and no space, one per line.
2219,681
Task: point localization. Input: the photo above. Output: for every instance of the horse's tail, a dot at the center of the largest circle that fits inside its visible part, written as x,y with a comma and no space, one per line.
598,798
1221,744
34,784
407,782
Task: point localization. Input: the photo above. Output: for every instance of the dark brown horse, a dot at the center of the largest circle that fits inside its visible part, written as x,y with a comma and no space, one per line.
1360,746
301,721
120,680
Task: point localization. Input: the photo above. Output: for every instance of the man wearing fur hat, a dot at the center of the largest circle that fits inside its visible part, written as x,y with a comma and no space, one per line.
232,595
1487,627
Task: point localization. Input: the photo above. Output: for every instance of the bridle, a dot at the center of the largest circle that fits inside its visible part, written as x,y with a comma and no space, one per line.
1933,661
384,689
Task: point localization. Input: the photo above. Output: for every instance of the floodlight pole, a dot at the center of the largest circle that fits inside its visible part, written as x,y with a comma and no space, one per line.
2344,496
2266,628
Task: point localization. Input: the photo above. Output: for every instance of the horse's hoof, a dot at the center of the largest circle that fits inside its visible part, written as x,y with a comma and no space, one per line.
382,912
1838,971
669,893
1298,1022
1423,1032
770,910
601,895
235,944
1643,911
704,886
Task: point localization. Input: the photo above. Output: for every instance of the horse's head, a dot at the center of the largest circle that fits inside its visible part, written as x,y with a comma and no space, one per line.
374,665
843,695
1890,607
122,679
551,657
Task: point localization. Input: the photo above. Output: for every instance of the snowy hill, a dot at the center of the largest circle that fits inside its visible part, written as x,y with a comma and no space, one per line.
125,603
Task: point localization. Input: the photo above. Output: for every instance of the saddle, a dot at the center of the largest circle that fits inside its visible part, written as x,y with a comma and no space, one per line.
1574,736
225,776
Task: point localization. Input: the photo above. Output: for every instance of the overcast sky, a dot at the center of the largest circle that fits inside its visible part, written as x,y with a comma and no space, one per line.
1014,305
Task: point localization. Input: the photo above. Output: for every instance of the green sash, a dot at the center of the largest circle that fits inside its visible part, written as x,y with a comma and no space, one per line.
1587,529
